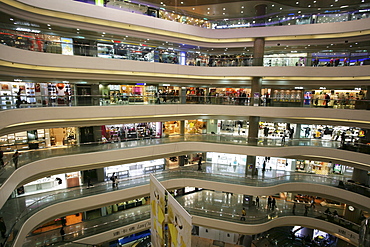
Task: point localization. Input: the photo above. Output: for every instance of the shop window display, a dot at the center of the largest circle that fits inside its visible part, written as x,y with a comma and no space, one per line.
134,169
124,132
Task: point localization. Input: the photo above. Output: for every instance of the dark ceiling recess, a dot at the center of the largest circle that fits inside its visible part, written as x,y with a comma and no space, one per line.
293,3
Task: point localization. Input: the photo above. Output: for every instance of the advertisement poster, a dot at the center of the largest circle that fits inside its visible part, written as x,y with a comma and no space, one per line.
179,224
67,46
157,216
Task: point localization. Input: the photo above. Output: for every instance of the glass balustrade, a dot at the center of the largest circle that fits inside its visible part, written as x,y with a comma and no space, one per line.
277,18
123,51
38,154
100,100
31,206
258,215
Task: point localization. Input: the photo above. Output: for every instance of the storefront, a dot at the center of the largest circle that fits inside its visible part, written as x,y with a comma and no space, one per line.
223,162
51,183
287,98
232,127
329,132
322,168
36,94
134,169
31,139
274,163
124,132
289,59
63,136
191,127
345,99
127,94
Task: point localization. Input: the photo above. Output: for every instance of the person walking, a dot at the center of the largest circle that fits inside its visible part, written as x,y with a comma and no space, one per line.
269,202
2,163
306,207
273,204
200,163
62,233
113,178
16,158
89,184
257,202
2,227
244,213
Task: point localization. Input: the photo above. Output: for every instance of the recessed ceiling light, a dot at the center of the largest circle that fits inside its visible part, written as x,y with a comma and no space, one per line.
193,8
224,9
242,12
182,2
11,19
296,2
48,25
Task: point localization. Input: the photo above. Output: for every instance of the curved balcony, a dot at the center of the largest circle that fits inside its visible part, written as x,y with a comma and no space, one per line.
49,117
55,205
38,164
68,13
30,63
101,229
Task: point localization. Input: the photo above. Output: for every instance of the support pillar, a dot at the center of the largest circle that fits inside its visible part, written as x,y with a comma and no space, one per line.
258,51
253,130
260,12
182,127
182,95
360,176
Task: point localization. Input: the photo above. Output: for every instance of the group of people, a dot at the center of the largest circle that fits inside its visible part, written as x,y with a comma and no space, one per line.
15,159
271,203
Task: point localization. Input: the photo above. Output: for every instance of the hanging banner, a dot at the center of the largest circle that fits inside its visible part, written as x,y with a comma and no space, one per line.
179,224
67,46
157,214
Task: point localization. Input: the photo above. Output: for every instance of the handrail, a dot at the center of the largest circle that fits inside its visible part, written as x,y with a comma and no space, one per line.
241,98
163,176
272,19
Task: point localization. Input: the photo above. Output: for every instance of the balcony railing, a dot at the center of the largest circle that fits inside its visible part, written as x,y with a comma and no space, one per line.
26,211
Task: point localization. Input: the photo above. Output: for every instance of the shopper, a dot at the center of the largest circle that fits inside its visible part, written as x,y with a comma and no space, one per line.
327,100
16,158
257,202
113,178
306,207
2,163
2,227
291,133
18,99
62,233
244,213
273,203
200,163
269,202
89,184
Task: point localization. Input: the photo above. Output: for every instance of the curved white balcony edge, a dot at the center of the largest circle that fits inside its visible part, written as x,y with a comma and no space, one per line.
47,62
49,117
114,15
95,201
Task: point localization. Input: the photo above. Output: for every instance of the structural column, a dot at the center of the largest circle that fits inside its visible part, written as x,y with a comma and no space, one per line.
360,176
258,52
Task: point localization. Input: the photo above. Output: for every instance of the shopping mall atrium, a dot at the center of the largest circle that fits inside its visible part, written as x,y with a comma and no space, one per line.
184,123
